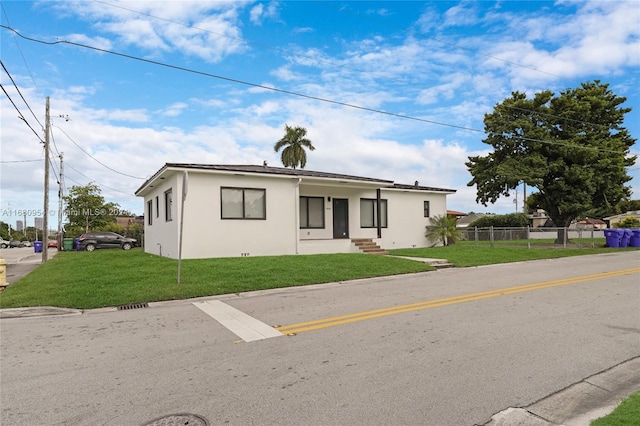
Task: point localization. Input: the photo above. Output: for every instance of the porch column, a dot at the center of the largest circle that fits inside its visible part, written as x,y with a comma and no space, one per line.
378,210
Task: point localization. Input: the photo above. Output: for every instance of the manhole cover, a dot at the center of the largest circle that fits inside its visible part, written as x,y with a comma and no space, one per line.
179,420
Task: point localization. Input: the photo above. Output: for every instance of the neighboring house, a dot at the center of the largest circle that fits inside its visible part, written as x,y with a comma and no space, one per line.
456,214
250,210
589,224
539,219
465,221
126,221
612,220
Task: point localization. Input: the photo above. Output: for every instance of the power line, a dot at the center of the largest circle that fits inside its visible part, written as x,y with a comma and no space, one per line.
341,10
243,40
20,93
234,80
302,95
4,12
96,160
90,180
20,116
20,161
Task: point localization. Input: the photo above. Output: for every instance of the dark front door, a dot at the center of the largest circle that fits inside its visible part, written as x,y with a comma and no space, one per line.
340,218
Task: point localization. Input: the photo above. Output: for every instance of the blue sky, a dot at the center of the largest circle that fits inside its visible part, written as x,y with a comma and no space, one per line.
444,64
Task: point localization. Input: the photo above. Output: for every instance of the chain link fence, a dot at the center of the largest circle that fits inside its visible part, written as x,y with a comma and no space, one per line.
532,237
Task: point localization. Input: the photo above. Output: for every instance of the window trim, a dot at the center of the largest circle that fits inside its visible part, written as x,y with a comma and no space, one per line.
157,206
384,208
168,205
306,199
426,208
150,212
244,212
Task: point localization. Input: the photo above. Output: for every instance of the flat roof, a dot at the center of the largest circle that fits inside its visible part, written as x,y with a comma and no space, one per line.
284,171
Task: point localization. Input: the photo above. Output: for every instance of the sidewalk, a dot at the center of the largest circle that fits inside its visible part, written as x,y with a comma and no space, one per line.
579,404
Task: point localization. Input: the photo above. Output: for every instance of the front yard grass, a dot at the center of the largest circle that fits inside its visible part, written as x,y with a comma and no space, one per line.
116,277
85,280
466,255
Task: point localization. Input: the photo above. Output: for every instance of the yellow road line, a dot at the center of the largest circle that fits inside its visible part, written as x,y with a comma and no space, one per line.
377,313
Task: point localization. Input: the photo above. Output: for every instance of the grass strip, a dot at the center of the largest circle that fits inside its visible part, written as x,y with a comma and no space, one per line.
461,255
625,414
116,277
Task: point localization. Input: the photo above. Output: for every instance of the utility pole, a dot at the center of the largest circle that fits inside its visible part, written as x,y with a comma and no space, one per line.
45,221
60,194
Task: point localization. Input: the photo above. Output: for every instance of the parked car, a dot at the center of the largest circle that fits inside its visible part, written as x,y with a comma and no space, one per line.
15,244
4,243
27,244
52,243
97,240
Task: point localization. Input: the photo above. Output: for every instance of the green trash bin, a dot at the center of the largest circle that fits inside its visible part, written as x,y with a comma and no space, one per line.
67,243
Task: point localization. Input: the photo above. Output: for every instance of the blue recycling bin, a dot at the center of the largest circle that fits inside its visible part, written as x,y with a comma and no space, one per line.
77,243
37,246
625,234
634,241
613,237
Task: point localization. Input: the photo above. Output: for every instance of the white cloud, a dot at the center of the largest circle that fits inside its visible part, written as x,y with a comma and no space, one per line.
175,109
260,12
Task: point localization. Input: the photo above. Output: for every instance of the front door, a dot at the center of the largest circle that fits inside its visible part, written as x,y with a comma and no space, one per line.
340,218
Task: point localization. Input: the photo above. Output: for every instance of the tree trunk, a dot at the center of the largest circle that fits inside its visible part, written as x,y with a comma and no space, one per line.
562,233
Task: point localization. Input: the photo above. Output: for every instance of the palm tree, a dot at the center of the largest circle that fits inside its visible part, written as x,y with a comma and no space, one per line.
443,229
294,142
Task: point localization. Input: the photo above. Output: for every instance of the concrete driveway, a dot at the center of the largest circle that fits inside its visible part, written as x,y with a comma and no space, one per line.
21,261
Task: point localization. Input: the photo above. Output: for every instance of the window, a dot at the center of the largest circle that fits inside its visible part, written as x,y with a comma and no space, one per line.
426,209
149,212
369,213
157,206
243,203
311,212
168,205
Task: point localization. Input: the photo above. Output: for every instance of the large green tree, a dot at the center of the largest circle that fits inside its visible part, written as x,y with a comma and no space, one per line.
570,147
87,211
294,143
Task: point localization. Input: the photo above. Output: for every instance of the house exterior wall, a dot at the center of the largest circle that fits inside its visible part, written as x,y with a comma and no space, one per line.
406,221
161,237
330,193
406,217
206,234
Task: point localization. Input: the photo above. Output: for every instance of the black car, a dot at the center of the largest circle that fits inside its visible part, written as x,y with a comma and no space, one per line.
98,240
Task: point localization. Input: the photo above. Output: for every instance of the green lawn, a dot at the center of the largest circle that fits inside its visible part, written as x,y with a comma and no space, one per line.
465,255
626,414
116,277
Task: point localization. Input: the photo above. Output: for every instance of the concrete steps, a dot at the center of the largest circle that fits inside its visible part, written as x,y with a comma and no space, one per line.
366,245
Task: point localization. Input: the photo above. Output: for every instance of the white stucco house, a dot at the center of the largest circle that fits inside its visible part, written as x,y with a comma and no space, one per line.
248,210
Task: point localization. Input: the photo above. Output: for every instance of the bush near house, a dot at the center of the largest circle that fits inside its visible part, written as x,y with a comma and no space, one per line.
628,222
512,220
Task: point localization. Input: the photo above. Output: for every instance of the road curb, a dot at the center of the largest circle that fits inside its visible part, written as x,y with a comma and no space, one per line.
37,311
579,404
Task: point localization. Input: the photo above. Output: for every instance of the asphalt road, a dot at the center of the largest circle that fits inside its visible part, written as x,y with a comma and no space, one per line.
452,347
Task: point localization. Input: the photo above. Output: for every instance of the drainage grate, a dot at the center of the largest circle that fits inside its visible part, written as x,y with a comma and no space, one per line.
133,306
182,419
